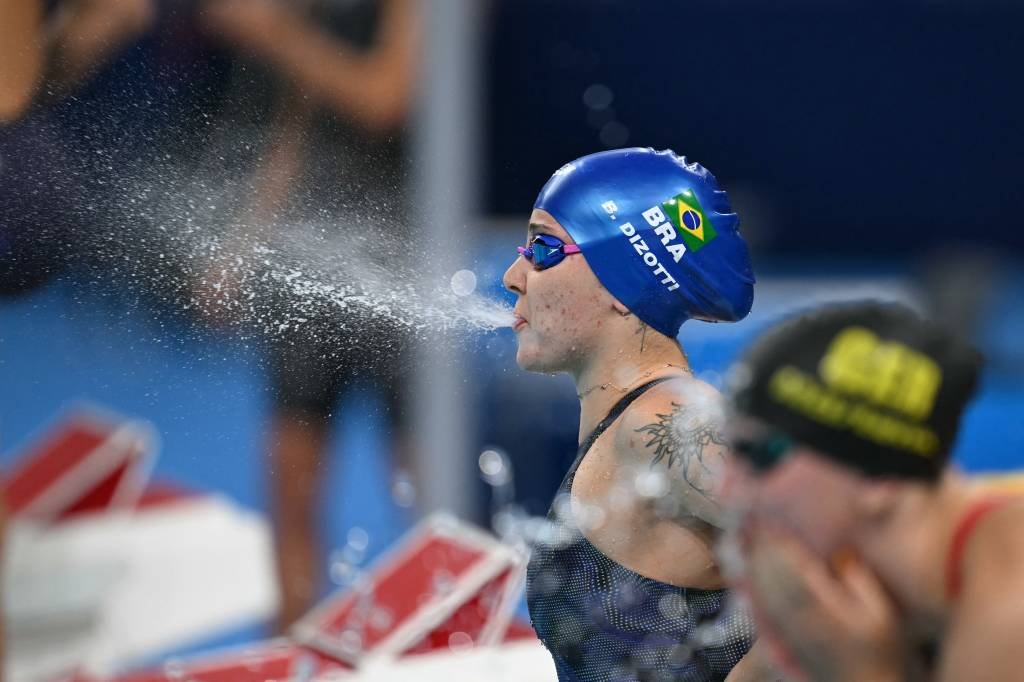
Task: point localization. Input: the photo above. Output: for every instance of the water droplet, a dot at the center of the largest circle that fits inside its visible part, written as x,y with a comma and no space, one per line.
562,507
463,282
711,377
303,668
627,596
402,490
598,96
548,582
351,641
588,516
495,467
506,524
680,655
460,641
252,660
738,377
358,539
342,570
651,484
708,635
381,618
672,606
614,135
174,669
444,583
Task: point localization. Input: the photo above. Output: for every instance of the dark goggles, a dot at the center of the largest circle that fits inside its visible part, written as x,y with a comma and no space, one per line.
545,251
764,453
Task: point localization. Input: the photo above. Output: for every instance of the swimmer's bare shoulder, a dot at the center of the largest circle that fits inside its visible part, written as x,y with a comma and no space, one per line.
983,641
675,429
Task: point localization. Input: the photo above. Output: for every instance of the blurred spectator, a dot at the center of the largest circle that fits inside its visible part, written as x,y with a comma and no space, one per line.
47,51
341,76
20,56
49,48
83,35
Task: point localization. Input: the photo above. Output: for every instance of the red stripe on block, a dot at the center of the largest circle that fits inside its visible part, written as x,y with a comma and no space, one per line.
44,463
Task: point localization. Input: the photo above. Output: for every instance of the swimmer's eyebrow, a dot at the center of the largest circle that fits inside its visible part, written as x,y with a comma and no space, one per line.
537,227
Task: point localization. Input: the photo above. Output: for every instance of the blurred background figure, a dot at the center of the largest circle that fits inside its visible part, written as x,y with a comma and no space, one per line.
52,47
50,51
333,99
862,547
21,59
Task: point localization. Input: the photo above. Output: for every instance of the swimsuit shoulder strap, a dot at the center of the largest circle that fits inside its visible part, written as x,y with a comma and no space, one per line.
968,523
617,411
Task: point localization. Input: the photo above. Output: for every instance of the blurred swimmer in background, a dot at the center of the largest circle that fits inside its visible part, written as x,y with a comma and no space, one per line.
865,556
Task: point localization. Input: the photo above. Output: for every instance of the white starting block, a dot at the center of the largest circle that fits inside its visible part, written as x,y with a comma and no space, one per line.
98,573
277,659
518,661
438,606
283,661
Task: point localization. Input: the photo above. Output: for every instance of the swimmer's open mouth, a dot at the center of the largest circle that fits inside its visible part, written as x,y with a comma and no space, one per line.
520,321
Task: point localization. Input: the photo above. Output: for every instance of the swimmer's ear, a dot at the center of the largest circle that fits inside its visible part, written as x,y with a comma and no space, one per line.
619,308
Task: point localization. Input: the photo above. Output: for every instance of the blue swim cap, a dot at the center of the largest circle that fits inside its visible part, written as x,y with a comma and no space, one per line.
658,232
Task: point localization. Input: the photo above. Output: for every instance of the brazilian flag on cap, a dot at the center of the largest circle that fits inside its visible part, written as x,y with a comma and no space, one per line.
685,213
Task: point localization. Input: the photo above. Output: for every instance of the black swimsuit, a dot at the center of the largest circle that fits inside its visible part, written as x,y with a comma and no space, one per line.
605,623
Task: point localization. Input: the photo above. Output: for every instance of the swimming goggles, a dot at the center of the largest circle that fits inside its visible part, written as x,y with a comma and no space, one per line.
764,453
546,251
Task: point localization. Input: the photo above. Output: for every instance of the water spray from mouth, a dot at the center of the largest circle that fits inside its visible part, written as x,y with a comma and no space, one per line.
363,278
334,275
362,290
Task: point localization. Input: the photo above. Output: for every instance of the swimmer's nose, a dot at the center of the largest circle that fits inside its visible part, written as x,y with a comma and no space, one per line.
514,278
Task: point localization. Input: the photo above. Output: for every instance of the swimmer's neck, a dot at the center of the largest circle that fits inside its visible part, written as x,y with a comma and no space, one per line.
612,371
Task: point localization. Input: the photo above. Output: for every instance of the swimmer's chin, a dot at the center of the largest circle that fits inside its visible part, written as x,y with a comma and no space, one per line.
531,363
525,364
